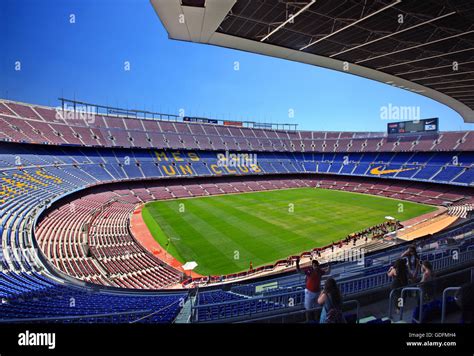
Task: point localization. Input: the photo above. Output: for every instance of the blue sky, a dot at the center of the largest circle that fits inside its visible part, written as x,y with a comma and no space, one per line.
86,60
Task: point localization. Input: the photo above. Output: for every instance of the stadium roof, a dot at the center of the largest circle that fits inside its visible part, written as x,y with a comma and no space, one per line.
426,47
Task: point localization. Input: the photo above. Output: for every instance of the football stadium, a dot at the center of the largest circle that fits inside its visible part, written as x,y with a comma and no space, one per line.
113,214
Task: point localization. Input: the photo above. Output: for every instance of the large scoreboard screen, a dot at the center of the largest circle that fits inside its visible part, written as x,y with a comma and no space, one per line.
410,127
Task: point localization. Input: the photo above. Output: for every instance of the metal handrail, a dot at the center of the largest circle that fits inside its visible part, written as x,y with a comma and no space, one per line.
390,303
193,303
443,305
352,301
276,299
125,113
390,307
75,317
157,311
380,277
365,277
420,294
445,293
250,299
403,289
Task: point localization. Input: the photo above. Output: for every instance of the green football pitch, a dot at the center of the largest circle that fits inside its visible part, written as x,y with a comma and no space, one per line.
223,234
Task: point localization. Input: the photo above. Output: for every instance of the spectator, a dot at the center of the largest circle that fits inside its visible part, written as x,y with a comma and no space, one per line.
426,271
313,283
413,264
399,274
426,282
465,299
331,300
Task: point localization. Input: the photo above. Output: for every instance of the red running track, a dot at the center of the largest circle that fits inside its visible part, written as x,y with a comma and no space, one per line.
141,233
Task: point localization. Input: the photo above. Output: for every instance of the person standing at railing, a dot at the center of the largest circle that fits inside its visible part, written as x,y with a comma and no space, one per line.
331,300
313,283
413,264
426,271
426,282
399,274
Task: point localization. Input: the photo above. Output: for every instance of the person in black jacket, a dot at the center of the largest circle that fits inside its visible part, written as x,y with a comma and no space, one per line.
399,274
413,262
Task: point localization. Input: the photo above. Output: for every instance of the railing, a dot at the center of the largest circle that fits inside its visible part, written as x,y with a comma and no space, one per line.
292,281
382,280
354,286
180,300
443,305
124,317
243,308
304,311
80,106
248,307
382,258
267,303
420,290
446,291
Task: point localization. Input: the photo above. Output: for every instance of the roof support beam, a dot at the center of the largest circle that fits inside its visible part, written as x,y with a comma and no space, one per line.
393,34
458,92
449,82
443,76
434,68
350,25
289,19
414,47
426,58
464,95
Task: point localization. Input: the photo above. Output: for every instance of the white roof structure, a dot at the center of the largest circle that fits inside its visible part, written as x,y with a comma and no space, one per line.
426,47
